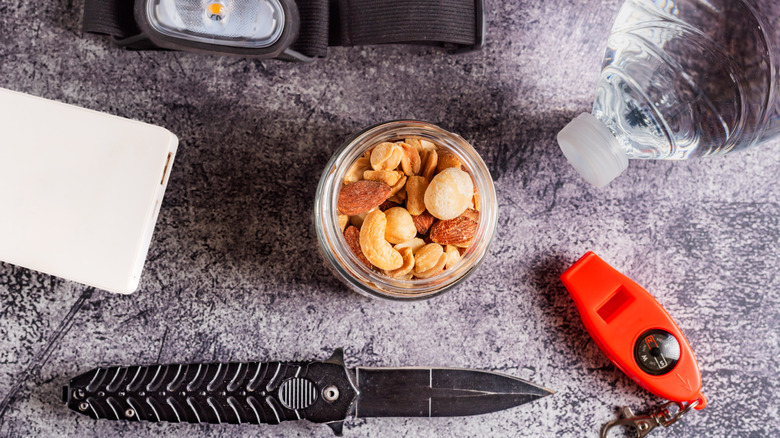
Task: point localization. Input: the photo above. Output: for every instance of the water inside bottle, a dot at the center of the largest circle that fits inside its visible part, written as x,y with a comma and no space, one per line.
688,78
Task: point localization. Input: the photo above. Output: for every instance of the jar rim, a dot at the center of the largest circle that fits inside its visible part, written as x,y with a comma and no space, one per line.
332,243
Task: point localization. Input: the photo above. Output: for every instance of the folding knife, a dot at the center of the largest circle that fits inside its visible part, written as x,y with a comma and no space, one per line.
271,392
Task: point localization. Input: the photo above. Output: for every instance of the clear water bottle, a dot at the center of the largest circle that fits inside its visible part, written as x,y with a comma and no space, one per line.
680,79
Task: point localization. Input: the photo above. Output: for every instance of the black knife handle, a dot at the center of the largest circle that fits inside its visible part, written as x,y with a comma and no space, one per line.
252,392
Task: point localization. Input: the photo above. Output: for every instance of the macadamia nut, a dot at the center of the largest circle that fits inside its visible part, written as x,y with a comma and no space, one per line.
449,194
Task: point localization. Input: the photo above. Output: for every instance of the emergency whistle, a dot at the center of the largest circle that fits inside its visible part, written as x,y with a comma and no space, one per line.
634,331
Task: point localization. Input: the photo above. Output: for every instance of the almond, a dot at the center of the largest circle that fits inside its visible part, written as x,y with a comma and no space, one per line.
362,196
453,231
388,204
352,235
423,222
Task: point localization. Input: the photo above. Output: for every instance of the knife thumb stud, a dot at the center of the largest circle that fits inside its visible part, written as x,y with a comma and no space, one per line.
129,413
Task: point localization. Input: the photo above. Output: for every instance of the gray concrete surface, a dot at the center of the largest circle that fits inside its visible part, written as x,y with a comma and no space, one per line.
233,273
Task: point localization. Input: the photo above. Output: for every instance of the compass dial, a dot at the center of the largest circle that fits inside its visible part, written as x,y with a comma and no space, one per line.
657,352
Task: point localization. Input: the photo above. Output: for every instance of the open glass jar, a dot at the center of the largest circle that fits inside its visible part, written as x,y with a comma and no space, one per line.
333,246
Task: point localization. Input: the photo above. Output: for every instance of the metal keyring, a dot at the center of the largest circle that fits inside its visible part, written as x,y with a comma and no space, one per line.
643,424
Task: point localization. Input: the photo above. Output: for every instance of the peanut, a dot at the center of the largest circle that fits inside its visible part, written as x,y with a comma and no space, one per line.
453,256
397,188
357,220
414,142
464,245
413,244
430,160
389,177
415,191
374,246
406,268
446,160
398,198
410,162
386,156
343,221
426,145
355,172
437,268
400,226
449,194
427,257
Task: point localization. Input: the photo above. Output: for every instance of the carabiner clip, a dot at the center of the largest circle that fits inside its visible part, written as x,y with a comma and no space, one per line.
643,424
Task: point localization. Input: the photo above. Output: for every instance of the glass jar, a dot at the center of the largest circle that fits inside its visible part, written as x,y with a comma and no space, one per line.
333,246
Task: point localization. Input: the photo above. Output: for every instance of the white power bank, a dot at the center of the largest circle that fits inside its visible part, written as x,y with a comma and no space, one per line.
79,190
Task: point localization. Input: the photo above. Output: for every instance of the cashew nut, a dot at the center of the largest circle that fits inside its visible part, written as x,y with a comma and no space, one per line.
374,246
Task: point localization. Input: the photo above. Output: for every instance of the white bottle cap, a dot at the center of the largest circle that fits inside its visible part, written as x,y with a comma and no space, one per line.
593,150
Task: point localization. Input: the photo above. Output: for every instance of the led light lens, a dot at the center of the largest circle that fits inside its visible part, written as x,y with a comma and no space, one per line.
235,23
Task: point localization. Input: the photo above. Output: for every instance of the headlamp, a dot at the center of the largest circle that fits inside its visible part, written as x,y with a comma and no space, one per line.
295,30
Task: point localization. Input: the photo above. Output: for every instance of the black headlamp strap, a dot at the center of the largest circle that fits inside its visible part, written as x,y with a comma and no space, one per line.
455,24
110,17
368,22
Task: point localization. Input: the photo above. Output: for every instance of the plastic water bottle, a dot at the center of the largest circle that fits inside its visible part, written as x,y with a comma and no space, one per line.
680,79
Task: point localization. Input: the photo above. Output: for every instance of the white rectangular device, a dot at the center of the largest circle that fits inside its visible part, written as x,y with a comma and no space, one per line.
80,190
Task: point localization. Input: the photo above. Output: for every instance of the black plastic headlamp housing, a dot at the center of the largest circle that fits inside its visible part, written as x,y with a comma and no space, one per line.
151,37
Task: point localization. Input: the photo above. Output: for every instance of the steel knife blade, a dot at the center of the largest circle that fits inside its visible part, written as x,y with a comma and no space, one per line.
272,392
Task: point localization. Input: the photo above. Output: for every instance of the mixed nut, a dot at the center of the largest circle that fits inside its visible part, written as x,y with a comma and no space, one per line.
408,209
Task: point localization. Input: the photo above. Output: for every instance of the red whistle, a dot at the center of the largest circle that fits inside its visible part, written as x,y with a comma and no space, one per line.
634,330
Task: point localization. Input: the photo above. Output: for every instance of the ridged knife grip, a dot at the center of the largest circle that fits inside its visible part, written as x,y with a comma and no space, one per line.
253,392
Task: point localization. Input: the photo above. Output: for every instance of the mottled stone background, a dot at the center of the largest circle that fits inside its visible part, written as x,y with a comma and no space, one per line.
233,273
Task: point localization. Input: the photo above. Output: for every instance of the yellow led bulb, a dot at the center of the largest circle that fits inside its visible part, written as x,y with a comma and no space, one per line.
216,11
